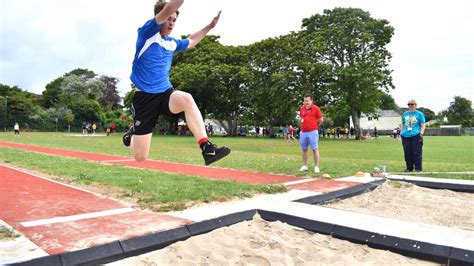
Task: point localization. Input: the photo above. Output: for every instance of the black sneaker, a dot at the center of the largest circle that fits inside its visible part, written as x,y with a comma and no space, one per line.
212,154
127,137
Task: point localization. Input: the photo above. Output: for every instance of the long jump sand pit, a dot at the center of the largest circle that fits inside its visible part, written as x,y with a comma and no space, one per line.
259,242
405,201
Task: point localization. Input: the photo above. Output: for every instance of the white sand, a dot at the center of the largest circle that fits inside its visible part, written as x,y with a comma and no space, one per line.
259,242
404,201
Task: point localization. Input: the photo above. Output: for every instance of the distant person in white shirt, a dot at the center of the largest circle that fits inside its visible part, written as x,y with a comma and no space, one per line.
16,128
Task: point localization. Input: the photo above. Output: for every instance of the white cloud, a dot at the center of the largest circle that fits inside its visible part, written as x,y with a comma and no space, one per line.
433,45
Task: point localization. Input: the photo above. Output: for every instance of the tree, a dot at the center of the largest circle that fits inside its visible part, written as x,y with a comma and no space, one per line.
80,92
77,87
110,97
85,110
429,114
20,105
193,68
353,46
387,102
52,92
275,92
460,112
218,77
232,85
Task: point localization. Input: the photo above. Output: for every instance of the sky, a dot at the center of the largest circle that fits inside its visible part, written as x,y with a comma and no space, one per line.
40,40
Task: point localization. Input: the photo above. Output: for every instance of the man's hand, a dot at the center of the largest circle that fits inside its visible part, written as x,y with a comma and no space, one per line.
196,37
215,20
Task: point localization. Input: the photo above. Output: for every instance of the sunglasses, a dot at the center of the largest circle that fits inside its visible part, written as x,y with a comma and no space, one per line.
411,104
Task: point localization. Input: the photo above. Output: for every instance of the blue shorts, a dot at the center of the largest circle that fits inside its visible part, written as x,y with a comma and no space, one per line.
309,138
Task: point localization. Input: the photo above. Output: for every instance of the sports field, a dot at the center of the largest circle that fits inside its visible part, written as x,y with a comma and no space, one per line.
339,158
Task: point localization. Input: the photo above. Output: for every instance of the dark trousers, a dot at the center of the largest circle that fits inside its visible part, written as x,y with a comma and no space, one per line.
413,149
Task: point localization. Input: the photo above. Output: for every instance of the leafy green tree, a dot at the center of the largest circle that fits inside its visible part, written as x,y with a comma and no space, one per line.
83,73
275,91
387,102
193,68
55,119
52,92
232,86
218,77
353,45
429,114
85,110
77,87
18,105
460,112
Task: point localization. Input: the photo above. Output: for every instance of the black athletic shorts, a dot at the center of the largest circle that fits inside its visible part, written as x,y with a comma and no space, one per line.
146,108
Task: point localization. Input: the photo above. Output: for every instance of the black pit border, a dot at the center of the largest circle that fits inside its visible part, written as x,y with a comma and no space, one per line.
437,185
139,245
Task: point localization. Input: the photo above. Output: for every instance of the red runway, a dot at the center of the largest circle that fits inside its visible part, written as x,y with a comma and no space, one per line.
168,167
61,218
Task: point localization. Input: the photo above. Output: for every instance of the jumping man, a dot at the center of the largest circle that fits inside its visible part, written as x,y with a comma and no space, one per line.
155,94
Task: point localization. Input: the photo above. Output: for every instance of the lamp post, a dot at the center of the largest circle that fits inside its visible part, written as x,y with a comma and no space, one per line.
6,104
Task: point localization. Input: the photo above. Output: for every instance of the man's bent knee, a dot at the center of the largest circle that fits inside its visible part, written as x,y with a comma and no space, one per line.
180,101
140,157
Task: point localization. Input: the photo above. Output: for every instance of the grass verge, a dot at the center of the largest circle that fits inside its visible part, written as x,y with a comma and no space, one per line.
339,157
150,189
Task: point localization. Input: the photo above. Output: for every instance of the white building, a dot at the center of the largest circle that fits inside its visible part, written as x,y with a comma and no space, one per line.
383,120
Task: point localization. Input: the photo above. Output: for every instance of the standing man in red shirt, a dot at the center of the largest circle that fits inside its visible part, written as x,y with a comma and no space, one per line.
311,119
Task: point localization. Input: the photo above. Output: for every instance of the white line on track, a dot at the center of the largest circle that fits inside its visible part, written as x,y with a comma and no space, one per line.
76,217
298,182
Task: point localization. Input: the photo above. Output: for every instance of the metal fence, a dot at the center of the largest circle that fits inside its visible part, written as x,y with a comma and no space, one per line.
454,131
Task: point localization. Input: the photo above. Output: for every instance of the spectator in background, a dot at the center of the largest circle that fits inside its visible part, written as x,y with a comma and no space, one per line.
84,128
16,128
311,119
412,130
292,133
210,129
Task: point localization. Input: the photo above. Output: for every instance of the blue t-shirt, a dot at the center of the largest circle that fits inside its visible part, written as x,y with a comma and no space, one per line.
411,122
153,57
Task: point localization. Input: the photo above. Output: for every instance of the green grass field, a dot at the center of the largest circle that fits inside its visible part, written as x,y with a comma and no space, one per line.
339,158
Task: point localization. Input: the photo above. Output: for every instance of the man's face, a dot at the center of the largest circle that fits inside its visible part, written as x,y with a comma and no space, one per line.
169,25
307,102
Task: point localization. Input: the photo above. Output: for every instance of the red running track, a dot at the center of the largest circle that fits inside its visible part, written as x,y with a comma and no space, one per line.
47,212
169,167
323,185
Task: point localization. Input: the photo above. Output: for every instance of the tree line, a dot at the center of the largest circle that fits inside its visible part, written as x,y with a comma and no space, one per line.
340,56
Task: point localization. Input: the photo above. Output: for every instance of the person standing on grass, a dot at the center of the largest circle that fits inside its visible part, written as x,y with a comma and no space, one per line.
154,94
412,130
286,133
16,128
292,133
311,119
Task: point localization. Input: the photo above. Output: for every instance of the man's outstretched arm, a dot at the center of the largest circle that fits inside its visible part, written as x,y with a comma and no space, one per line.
196,37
